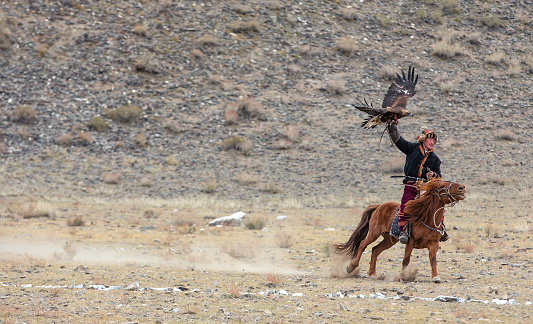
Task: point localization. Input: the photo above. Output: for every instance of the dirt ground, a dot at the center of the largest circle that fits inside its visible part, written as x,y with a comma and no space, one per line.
142,261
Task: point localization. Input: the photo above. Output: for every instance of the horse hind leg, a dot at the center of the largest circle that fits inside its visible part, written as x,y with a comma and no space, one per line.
370,238
387,243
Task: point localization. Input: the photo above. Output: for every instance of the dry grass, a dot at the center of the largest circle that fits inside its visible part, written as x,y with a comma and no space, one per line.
140,140
247,179
393,166
284,240
491,21
240,251
98,124
233,290
125,114
347,14
111,178
140,30
388,72
210,187
255,223
497,58
34,262
245,26
336,87
24,115
31,208
347,45
237,143
207,40
272,279
383,20
270,187
506,135
75,221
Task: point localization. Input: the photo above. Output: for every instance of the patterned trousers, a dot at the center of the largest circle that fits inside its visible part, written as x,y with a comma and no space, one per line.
409,193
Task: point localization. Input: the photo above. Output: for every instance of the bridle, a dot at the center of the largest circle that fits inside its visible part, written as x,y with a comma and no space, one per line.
439,193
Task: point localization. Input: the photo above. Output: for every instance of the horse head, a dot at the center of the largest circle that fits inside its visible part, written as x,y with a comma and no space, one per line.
448,192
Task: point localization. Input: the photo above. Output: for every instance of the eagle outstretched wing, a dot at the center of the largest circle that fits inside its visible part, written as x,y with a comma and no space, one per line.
397,95
394,103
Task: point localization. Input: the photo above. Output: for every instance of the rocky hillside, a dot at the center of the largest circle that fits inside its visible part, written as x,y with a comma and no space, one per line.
250,99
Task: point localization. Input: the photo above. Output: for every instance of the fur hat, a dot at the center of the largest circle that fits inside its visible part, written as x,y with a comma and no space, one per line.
426,133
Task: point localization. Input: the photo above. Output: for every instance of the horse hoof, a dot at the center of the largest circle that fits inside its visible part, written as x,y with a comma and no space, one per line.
349,269
436,280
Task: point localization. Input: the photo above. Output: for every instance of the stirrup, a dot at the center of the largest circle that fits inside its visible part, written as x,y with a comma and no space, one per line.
403,238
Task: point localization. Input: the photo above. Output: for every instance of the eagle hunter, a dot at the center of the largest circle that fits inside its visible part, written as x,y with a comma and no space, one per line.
394,103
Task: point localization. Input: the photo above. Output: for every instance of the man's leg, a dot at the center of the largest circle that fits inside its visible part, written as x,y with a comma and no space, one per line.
409,193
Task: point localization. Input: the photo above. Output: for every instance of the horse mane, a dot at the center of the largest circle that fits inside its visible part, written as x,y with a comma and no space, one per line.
421,209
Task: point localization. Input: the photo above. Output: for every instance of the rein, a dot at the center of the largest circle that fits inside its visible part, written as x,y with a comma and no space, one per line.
453,202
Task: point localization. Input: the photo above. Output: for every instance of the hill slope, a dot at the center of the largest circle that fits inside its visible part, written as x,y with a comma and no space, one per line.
279,76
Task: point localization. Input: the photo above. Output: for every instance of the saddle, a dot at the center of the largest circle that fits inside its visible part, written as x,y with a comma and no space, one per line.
395,229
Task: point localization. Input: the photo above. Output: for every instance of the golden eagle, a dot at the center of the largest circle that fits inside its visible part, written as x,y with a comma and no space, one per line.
393,107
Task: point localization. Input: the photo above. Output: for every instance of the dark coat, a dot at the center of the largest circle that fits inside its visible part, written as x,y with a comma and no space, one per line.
415,155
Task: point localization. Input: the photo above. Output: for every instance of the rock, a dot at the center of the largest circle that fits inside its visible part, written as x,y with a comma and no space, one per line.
132,286
231,220
449,299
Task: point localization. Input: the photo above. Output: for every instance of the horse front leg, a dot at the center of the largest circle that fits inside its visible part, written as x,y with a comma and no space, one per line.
407,255
433,248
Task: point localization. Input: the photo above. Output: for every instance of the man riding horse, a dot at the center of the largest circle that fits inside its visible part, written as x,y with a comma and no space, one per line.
421,162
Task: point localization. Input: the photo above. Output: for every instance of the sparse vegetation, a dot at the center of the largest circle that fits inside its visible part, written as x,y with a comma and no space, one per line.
244,27
347,46
256,223
126,114
75,221
24,114
111,178
491,21
98,124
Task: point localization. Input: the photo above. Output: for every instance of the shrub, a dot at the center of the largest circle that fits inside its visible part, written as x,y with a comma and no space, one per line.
394,165
246,179
244,27
248,108
491,21
257,223
284,240
270,188
111,178
84,139
383,20
126,114
65,139
451,7
140,30
76,221
230,116
445,49
347,14
272,279
336,87
31,209
496,58
207,40
140,140
506,135
346,46
232,143
98,124
240,251
23,115
514,67
5,43
388,72
210,187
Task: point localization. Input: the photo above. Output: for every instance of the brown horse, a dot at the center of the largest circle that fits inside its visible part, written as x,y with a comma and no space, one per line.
426,214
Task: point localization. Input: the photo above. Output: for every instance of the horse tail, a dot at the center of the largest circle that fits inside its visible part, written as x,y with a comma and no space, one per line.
358,235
